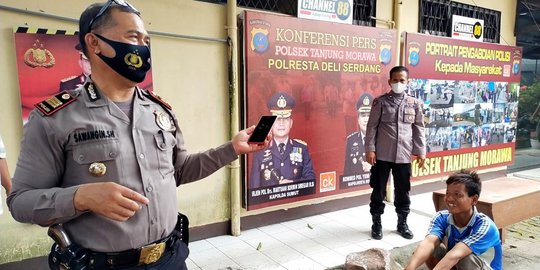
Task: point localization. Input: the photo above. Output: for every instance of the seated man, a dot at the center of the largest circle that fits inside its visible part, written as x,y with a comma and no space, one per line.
458,236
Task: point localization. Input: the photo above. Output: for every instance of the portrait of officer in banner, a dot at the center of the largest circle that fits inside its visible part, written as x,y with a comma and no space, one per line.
73,82
355,162
286,160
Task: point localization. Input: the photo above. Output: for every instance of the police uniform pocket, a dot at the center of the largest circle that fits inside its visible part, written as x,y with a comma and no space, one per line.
409,115
96,160
388,115
165,143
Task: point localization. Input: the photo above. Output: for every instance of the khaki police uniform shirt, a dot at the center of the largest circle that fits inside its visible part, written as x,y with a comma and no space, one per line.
57,151
395,128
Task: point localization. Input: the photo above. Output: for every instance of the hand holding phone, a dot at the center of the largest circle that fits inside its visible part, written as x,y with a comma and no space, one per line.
262,129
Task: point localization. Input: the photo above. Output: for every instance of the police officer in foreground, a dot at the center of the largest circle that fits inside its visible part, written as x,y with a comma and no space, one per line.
104,160
355,160
73,82
395,131
286,160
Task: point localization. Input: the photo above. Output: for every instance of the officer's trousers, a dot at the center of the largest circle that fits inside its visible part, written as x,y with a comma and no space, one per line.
402,185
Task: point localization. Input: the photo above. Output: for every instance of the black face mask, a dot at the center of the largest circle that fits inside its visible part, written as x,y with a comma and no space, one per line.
130,61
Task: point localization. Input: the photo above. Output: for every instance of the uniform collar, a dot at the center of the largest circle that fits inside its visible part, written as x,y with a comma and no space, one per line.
141,97
94,98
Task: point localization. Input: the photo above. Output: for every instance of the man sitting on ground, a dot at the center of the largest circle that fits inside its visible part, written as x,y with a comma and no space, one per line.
458,236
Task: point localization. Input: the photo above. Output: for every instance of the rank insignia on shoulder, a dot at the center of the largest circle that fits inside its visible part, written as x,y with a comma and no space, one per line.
51,105
68,79
158,99
300,141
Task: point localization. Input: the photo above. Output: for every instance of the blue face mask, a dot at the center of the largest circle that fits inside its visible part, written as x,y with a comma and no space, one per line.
131,61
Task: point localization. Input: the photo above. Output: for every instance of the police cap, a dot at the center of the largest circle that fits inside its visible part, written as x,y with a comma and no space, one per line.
281,104
364,103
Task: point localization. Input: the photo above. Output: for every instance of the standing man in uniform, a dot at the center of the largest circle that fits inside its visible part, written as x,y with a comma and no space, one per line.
104,160
286,160
395,131
355,160
73,82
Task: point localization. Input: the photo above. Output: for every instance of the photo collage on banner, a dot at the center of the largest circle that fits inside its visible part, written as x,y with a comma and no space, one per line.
49,62
470,93
320,81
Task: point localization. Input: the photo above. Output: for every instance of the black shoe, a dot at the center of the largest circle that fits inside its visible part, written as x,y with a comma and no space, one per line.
403,228
404,231
376,228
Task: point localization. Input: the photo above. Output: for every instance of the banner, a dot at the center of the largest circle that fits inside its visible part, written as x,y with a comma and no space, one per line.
470,92
48,62
320,79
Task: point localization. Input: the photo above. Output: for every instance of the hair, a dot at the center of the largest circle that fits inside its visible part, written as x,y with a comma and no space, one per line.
470,179
105,20
398,69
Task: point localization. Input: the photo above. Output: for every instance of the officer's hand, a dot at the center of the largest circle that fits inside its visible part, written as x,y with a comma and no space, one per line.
421,160
240,142
371,157
109,199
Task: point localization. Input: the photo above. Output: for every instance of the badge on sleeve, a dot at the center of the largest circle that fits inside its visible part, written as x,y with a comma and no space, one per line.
97,169
163,121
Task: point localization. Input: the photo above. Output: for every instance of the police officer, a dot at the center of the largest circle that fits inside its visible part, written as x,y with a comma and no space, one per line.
286,160
73,82
395,131
355,160
104,159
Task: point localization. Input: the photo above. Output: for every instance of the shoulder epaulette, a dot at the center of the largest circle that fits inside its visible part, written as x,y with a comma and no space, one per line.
51,105
352,134
151,95
68,79
300,141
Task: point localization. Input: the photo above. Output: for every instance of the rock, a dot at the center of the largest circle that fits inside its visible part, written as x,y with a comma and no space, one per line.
371,259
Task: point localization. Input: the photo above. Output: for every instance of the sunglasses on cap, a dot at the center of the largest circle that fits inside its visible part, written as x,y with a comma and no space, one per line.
107,6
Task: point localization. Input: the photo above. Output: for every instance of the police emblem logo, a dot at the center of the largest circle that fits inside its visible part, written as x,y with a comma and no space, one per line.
414,56
133,59
38,56
281,102
162,120
97,169
259,40
366,101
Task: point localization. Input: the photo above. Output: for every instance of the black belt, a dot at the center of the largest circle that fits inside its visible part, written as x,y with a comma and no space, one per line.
148,254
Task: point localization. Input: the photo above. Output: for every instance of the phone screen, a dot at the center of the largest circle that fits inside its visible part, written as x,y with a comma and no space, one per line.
262,129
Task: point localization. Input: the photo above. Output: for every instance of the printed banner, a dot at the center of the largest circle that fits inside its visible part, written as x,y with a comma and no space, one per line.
470,92
320,79
48,62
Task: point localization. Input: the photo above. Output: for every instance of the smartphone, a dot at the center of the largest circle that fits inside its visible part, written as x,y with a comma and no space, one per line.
262,129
